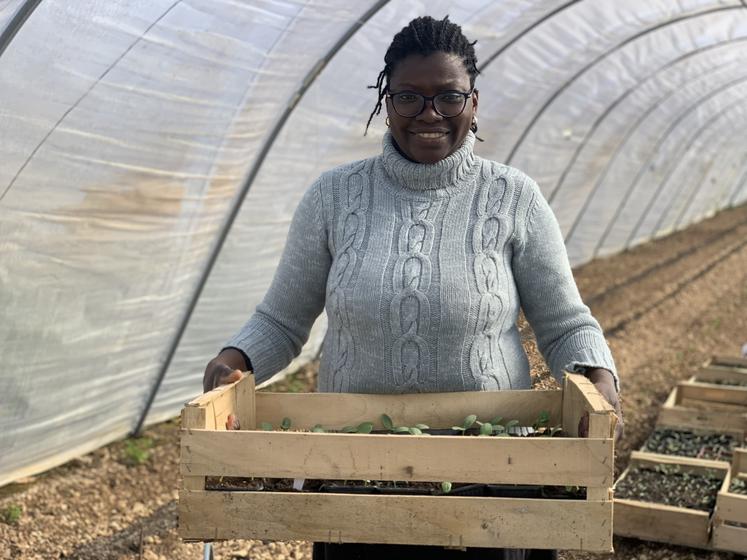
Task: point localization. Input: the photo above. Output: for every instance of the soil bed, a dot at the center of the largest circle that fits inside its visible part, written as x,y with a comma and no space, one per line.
727,382
688,443
669,486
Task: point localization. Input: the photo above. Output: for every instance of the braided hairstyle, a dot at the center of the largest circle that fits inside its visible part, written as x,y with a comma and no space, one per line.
424,36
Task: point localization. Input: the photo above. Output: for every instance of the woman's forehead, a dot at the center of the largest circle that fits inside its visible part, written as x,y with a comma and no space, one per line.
434,71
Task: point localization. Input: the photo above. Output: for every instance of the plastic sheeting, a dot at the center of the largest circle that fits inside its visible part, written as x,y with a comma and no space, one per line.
153,152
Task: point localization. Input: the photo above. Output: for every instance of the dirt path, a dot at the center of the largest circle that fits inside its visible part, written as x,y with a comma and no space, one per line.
665,306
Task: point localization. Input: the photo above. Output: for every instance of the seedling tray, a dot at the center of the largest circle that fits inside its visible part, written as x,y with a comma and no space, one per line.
208,450
664,523
730,522
703,405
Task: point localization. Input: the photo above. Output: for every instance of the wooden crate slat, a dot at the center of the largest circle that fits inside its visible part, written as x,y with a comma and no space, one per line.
442,410
558,461
728,537
444,521
729,361
720,373
716,393
661,523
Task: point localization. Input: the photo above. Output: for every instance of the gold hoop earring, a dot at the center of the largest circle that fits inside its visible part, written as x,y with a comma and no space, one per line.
386,122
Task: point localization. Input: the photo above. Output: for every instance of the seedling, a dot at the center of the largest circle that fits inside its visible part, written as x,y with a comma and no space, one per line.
11,514
137,451
285,424
446,487
362,428
469,421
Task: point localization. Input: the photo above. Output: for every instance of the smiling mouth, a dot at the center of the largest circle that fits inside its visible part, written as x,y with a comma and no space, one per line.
430,135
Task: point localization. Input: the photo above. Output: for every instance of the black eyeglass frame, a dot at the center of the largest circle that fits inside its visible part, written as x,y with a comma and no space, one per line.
432,99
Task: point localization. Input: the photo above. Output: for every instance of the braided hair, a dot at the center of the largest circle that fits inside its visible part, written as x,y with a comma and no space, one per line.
424,36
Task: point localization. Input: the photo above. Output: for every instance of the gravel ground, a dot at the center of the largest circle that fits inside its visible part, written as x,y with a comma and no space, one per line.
666,307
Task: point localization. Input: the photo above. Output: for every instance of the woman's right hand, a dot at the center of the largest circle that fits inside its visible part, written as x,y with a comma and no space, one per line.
227,367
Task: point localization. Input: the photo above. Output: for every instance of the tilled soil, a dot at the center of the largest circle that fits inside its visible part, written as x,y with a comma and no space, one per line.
665,306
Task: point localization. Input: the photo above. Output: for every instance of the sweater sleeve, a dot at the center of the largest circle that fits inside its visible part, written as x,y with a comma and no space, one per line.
280,326
568,336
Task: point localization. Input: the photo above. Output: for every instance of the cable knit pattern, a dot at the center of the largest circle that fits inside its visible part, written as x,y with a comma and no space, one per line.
350,230
410,309
423,269
487,263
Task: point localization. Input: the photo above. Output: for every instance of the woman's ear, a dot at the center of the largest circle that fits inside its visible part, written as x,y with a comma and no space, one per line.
475,99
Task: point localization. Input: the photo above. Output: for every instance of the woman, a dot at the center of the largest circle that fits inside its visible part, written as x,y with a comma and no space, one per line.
423,256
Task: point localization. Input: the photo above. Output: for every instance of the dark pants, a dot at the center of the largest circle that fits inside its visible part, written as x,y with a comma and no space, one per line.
324,551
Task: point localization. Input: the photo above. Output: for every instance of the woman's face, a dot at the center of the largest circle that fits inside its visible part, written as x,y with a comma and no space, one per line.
429,137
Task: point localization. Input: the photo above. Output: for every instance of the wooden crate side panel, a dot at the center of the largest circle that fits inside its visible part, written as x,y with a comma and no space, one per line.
421,520
693,418
728,537
715,393
438,410
580,397
732,507
729,361
660,523
560,461
720,373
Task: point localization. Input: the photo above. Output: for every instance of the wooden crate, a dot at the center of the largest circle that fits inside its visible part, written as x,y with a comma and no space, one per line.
730,522
703,405
714,373
209,450
732,361
663,523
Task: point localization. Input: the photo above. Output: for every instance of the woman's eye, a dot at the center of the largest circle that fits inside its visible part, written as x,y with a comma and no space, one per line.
450,98
406,98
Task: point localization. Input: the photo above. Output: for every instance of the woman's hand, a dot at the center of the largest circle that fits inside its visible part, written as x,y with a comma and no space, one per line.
226,368
604,381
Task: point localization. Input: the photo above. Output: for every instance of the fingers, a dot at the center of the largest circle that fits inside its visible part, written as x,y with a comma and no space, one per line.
232,423
217,374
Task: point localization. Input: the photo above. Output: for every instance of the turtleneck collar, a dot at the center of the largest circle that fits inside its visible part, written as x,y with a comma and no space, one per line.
451,173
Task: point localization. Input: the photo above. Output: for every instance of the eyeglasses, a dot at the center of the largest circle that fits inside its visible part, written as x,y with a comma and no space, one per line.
448,104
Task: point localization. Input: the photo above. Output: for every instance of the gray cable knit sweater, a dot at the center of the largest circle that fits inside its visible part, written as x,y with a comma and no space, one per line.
423,269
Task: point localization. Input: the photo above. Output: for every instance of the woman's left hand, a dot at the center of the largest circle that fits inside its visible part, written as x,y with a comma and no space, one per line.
604,381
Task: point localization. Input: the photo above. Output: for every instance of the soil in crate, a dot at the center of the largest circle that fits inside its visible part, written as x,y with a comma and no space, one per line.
668,485
738,486
385,487
689,443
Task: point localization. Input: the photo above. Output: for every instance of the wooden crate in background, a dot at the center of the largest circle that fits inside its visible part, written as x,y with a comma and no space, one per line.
663,523
452,521
730,522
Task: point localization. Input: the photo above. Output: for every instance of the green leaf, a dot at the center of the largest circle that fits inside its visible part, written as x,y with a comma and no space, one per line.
497,420
512,423
415,431
286,423
498,429
469,421
401,430
554,430
387,422
349,429
422,426
457,428
486,429
364,428
446,487
266,426
543,419
318,429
